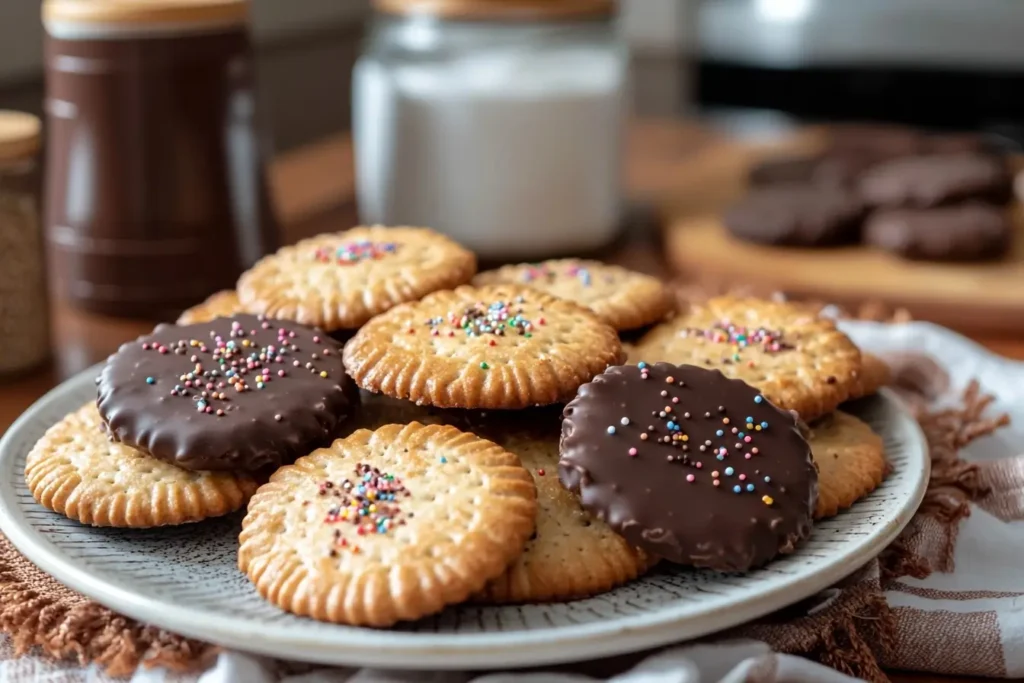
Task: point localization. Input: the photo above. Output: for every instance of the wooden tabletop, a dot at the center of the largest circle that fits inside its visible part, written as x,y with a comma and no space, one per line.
313,190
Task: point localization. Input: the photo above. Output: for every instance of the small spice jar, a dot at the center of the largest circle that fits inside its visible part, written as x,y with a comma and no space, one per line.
24,310
155,190
498,122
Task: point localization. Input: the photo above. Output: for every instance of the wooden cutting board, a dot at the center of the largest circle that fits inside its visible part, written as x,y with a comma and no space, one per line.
972,297
983,297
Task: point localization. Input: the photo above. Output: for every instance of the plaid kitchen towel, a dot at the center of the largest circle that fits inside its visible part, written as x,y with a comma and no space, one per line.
944,598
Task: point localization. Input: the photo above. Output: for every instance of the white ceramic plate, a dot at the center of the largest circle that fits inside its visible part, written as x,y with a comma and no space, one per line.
185,579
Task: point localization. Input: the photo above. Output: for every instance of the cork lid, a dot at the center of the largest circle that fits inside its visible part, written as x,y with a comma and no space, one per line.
501,10
20,135
143,14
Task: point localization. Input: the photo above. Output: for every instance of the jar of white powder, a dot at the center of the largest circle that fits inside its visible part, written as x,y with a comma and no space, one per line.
497,122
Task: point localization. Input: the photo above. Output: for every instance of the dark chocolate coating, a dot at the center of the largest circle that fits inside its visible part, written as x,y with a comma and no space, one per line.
966,232
261,427
880,141
783,170
925,182
796,215
647,497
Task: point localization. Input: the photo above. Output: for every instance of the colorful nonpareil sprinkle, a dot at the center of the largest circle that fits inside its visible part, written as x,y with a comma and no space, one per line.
355,252
369,502
740,338
499,318
546,272
215,369
730,442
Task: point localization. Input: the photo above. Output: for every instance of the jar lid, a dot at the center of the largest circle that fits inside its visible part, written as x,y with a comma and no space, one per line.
20,135
143,14
500,10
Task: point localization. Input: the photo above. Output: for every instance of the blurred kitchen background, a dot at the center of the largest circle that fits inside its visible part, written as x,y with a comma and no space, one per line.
745,63
305,51
574,132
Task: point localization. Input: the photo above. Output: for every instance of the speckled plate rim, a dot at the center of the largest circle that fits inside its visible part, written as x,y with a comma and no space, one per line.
368,647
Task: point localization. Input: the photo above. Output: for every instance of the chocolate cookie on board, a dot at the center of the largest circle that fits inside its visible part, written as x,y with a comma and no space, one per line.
966,232
924,182
796,215
238,394
689,465
784,170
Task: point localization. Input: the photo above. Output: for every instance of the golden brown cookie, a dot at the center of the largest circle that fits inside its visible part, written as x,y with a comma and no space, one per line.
77,471
622,298
223,304
340,280
874,374
800,361
850,459
501,346
571,555
387,526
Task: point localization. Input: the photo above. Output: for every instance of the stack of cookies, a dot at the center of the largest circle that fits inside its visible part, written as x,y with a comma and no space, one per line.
918,196
485,439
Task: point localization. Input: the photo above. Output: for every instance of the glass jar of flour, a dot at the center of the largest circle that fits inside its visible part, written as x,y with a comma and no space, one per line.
497,122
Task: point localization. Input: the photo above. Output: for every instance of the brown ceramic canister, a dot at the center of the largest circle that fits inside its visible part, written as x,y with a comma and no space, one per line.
155,190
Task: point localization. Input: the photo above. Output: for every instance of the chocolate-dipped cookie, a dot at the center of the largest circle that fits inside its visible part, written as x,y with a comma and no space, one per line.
689,465
241,393
924,182
796,215
961,233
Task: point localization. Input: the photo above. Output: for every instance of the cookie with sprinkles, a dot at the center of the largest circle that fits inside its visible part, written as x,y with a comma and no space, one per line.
571,554
500,346
689,465
622,298
238,394
77,471
799,360
388,525
223,304
850,459
338,281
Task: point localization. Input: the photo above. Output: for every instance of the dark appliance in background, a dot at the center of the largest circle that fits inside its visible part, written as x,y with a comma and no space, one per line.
942,64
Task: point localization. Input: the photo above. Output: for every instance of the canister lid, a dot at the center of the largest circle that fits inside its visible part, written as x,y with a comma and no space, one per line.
20,135
500,10
62,16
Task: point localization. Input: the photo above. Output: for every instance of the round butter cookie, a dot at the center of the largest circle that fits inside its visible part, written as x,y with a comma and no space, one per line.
387,526
799,360
338,281
850,459
500,346
572,554
239,394
689,465
622,298
77,471
223,304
